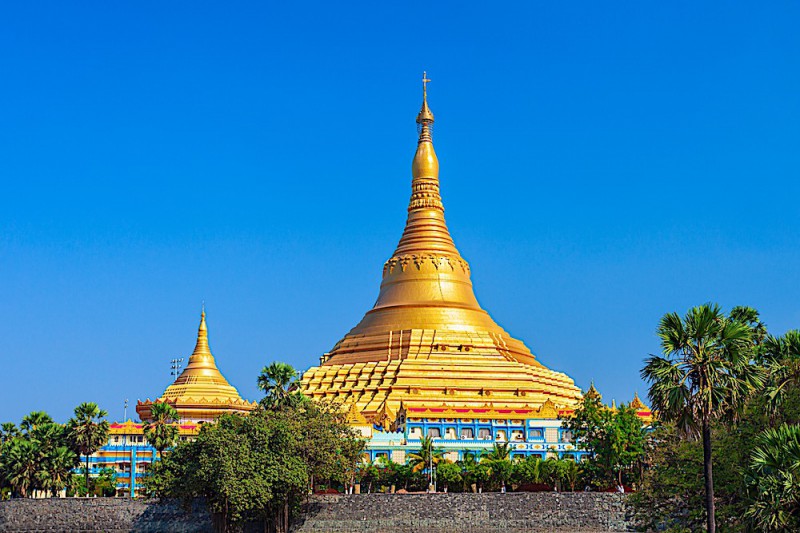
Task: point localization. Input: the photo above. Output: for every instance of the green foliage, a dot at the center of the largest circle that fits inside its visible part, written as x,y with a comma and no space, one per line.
706,374
559,473
772,478
33,420
499,463
277,381
781,356
259,466
427,455
528,471
476,473
615,440
87,431
406,478
103,484
754,447
449,475
161,431
671,491
20,465
8,430
36,458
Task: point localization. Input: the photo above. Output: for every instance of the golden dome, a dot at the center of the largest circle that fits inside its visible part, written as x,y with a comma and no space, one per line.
427,340
201,392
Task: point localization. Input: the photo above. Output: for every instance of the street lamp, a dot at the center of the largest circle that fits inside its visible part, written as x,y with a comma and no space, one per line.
431,470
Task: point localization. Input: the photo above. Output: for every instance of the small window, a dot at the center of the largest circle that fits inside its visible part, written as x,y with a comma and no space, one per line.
466,433
566,436
434,432
484,433
534,433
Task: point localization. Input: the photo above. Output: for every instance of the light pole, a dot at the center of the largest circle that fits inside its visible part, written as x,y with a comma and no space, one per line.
175,367
430,458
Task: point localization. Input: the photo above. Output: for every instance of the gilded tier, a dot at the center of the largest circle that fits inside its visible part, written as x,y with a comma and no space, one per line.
200,392
427,342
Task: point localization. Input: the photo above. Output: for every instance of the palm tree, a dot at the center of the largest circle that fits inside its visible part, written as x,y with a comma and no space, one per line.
529,470
569,471
277,381
425,458
551,472
88,432
704,374
499,462
35,419
56,469
781,355
772,481
161,431
8,430
750,317
20,465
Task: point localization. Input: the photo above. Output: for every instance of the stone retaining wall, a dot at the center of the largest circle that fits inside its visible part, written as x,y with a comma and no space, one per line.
112,515
469,513
373,513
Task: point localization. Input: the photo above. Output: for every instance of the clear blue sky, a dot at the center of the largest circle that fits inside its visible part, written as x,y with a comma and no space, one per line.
601,164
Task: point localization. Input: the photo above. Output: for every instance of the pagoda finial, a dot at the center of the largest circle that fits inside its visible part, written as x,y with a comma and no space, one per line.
201,348
592,392
637,403
425,116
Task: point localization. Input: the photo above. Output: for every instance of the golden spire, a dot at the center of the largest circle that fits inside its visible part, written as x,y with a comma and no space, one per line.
201,349
425,116
637,403
592,392
426,230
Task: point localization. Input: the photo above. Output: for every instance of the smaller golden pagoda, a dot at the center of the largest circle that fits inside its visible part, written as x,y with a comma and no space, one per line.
201,393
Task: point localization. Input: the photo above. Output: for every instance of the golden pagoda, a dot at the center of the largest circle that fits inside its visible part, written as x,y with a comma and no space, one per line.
427,348
201,393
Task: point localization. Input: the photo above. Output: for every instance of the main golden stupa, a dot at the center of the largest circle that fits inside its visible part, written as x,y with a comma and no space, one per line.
427,345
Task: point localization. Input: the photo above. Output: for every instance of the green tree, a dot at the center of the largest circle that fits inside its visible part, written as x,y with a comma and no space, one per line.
671,492
499,462
88,431
615,439
772,478
705,373
8,430
423,459
476,472
449,474
55,472
528,471
569,472
20,465
781,356
161,431
277,381
32,420
550,472
259,466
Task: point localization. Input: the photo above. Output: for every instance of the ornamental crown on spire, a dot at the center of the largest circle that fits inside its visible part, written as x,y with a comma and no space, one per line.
425,115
